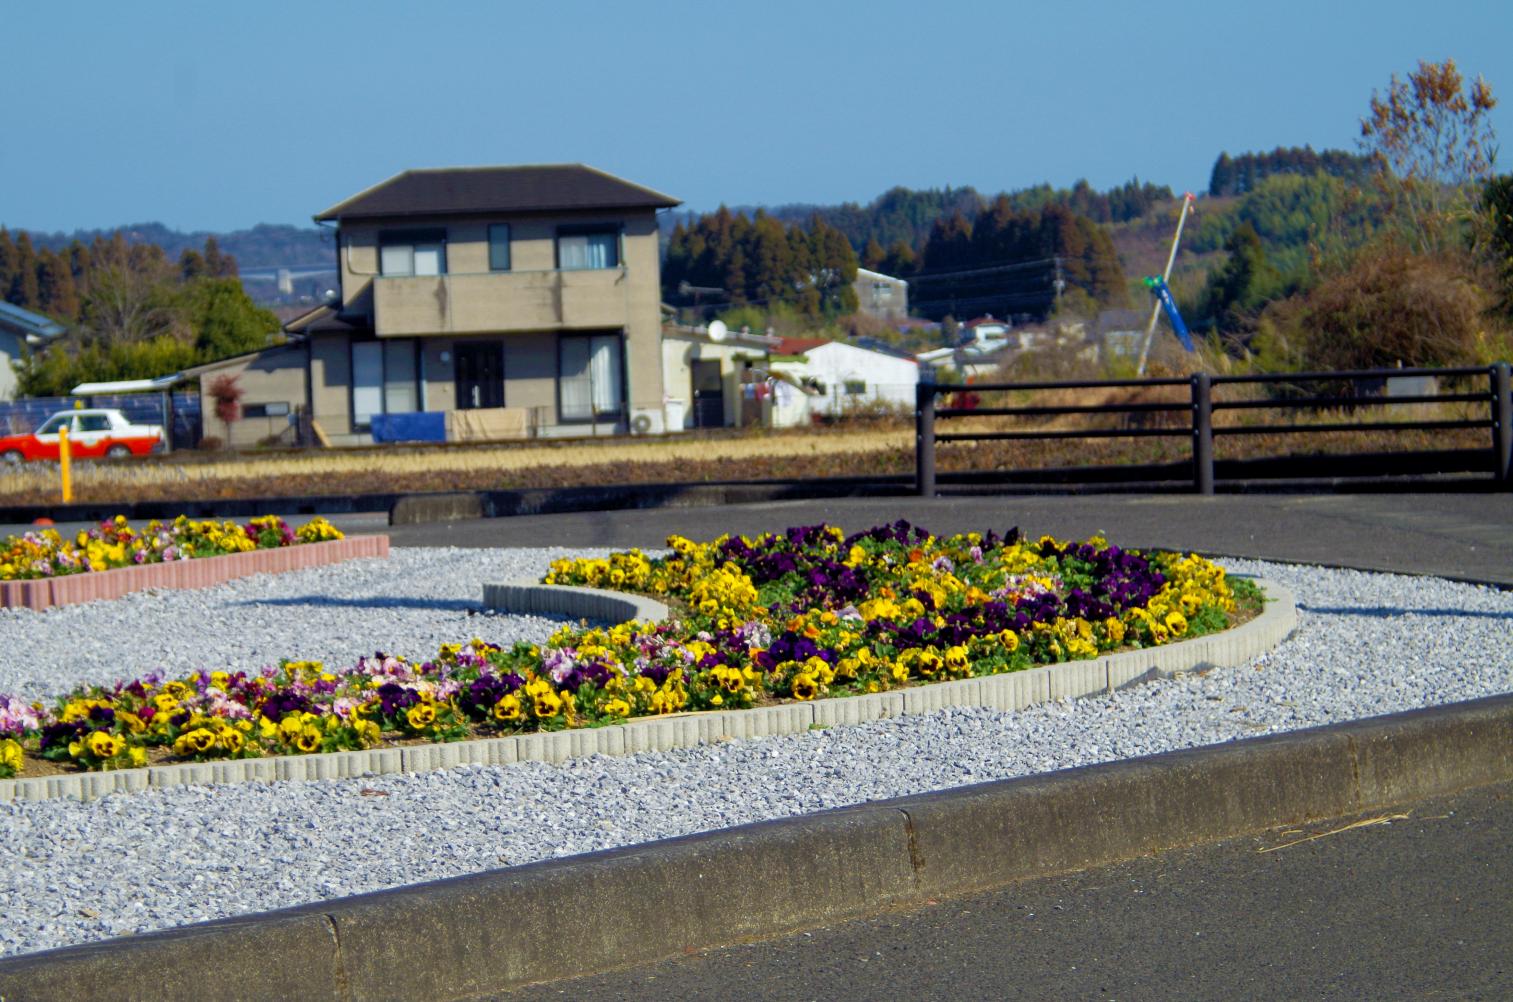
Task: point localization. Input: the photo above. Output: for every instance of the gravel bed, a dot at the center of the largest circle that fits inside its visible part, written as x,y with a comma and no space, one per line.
1367,644
408,604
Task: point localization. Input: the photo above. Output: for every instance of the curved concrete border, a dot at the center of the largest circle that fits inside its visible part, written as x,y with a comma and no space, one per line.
589,913
200,572
1011,691
529,596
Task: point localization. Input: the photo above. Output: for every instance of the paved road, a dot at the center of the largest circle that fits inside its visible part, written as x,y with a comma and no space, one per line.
1416,909
1451,535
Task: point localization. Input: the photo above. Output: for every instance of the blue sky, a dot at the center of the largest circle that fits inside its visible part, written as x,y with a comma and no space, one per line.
212,116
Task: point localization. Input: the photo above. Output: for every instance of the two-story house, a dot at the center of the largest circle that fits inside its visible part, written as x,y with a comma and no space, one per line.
504,300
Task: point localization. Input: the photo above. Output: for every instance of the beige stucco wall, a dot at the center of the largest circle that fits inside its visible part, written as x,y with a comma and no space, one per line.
331,382
678,354
532,299
274,376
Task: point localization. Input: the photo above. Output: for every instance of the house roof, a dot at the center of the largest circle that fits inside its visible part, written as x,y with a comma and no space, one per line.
986,319
798,345
532,188
324,319
32,326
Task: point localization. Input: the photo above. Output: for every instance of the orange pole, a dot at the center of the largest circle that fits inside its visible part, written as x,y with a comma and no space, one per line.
63,464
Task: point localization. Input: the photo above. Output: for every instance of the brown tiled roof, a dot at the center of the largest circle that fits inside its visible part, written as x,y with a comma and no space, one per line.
537,188
799,345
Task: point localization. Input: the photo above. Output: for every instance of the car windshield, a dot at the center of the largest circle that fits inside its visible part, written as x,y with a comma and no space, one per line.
53,424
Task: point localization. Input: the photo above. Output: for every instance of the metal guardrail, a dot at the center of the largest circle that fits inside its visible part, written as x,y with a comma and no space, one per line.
1202,404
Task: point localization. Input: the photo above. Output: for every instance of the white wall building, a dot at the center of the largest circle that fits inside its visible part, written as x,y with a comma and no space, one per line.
843,376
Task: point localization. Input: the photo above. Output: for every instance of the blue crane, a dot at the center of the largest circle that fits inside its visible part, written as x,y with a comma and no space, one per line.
1163,295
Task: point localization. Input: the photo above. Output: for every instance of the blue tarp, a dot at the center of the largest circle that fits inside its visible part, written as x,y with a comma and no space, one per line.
424,426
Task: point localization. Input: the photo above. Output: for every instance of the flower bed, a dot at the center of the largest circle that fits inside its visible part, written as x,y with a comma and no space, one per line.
792,616
42,569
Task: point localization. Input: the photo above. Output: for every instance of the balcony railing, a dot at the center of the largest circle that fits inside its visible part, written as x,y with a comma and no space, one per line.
503,301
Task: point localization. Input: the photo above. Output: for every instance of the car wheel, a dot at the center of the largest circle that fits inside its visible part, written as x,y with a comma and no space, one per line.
117,452
13,456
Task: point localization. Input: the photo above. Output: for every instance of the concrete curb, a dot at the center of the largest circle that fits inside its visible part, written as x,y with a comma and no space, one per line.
529,596
498,930
202,572
1012,691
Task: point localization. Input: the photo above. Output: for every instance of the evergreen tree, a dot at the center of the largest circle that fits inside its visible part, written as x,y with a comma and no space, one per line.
217,263
56,294
192,265
8,263
873,255
24,291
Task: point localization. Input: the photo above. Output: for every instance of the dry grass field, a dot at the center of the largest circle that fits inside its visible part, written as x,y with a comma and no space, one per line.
875,448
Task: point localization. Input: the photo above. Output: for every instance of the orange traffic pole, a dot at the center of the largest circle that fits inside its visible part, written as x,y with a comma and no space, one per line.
63,450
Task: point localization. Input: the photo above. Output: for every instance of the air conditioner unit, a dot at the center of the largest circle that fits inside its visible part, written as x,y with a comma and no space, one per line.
646,421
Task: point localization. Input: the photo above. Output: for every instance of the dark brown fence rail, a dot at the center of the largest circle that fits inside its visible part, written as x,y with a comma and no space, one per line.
1291,393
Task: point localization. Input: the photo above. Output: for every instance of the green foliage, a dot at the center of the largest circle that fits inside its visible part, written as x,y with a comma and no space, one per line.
761,262
131,313
1497,242
1007,261
1244,173
1300,221
223,319
1236,291
55,372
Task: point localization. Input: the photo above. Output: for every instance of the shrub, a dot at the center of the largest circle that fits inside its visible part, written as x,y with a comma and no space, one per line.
1389,308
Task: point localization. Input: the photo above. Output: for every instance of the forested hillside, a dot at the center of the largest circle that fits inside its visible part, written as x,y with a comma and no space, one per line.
263,246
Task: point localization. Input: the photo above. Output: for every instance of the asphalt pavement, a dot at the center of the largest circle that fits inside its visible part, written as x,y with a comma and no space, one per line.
1416,908
1463,536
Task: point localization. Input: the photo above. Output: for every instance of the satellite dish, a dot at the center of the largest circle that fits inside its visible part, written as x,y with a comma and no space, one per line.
718,330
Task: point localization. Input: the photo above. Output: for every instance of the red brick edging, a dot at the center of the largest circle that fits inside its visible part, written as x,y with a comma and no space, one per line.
201,572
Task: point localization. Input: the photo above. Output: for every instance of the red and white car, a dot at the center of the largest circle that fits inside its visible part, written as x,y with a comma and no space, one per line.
92,434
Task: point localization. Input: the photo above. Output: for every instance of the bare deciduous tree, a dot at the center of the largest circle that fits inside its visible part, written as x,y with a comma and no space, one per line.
1433,136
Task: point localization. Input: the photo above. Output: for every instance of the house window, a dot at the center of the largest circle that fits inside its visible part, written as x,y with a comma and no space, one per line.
412,252
588,249
499,247
589,381
855,387
383,380
268,410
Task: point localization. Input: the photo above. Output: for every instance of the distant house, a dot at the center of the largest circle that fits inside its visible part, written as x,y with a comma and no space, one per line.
703,374
20,330
839,376
882,296
481,302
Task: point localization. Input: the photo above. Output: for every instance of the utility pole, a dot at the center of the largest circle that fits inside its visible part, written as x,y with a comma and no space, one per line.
1060,282
1150,328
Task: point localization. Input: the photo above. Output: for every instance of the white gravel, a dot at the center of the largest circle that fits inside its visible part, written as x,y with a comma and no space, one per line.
1367,644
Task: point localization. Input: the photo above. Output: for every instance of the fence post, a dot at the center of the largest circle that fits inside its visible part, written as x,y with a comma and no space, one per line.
924,439
1502,424
1203,434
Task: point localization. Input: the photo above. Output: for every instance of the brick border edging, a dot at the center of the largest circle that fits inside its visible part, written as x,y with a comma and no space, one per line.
1012,691
197,572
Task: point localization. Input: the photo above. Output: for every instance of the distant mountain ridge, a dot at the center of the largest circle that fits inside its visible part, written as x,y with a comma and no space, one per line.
265,245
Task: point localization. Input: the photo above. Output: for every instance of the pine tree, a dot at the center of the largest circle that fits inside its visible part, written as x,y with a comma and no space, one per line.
192,265
7,263
23,287
57,295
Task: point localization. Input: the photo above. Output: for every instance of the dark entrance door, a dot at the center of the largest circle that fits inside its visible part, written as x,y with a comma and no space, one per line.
708,394
480,376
